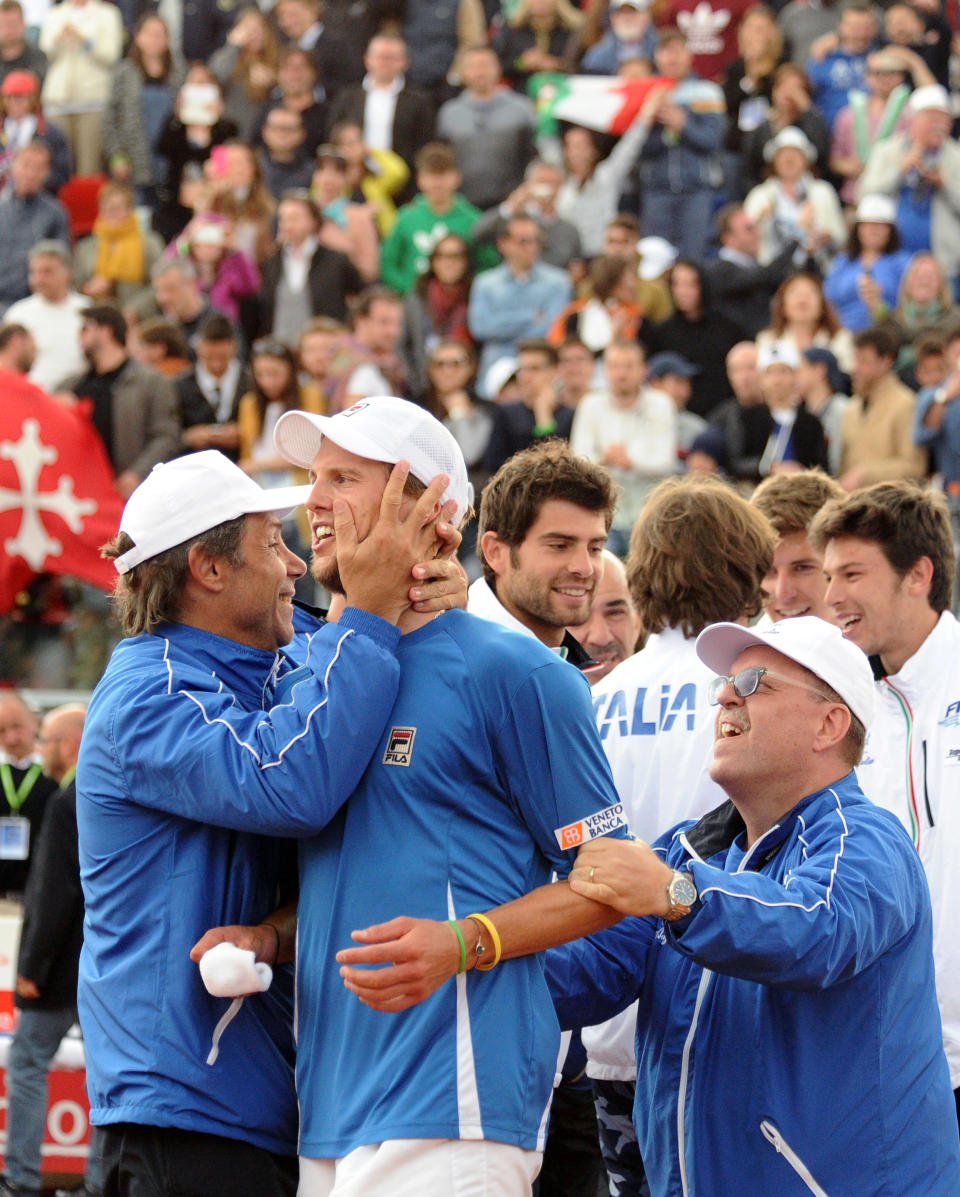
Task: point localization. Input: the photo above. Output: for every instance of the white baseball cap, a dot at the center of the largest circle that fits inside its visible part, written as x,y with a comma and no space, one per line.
778,353
382,429
657,255
812,642
498,375
790,138
179,499
932,96
876,209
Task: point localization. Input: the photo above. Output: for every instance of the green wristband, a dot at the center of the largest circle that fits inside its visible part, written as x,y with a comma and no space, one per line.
463,947
545,429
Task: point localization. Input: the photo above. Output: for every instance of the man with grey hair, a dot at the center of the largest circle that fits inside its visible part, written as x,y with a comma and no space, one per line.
177,295
536,197
53,314
205,743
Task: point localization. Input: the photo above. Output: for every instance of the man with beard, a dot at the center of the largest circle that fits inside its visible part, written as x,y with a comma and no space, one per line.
544,520
489,761
133,408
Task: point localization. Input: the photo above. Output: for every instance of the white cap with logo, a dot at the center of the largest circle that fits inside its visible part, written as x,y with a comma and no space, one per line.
382,429
812,642
179,499
778,353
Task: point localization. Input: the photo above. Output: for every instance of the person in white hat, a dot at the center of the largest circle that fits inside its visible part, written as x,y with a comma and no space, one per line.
782,958
489,775
203,740
920,171
779,434
864,282
793,206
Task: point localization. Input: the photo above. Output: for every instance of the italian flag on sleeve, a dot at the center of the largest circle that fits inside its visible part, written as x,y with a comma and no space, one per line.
605,103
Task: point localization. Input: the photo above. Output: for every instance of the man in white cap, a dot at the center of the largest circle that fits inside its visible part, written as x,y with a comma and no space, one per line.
779,434
782,957
204,740
489,775
920,170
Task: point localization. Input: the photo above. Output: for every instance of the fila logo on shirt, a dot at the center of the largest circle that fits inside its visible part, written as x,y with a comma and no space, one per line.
399,746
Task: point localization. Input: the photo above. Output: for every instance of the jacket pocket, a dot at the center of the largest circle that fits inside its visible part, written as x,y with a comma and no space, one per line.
773,1136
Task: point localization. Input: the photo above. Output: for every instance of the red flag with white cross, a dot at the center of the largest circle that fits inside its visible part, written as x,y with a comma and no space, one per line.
57,500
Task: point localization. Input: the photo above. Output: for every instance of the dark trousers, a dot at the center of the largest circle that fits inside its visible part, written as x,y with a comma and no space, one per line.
159,1161
571,1162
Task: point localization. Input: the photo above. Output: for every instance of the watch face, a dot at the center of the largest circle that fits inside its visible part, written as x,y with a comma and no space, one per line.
682,890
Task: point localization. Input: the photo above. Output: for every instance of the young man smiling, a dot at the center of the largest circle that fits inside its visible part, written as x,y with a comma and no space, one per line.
544,520
794,584
204,741
889,561
489,759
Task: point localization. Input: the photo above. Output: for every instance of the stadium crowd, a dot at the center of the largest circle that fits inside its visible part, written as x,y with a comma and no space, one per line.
683,277
744,260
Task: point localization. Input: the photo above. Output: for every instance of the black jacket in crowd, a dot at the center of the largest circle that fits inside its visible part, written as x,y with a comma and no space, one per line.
52,933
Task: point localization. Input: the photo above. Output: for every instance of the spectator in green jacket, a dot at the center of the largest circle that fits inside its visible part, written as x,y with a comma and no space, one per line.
436,211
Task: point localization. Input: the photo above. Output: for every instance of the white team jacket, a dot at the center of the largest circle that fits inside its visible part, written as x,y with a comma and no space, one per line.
911,766
656,726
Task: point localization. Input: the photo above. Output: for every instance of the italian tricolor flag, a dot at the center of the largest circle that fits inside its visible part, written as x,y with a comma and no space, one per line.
606,103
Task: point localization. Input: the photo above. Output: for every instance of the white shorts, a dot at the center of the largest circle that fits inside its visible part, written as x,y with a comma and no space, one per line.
424,1168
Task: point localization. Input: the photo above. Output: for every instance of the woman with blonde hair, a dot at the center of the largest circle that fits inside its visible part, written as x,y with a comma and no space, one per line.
924,298
748,83
609,311
115,261
537,37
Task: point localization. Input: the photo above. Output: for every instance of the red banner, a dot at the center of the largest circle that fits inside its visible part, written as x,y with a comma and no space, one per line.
57,500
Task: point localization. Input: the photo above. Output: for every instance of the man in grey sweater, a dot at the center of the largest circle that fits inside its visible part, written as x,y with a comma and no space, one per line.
491,129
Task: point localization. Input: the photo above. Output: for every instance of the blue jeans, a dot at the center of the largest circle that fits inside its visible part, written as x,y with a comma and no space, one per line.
34,1045
683,218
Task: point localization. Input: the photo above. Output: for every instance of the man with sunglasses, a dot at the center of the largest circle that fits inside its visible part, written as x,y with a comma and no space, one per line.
787,1028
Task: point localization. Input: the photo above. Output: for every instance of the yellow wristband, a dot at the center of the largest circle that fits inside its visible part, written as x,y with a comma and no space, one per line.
494,939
